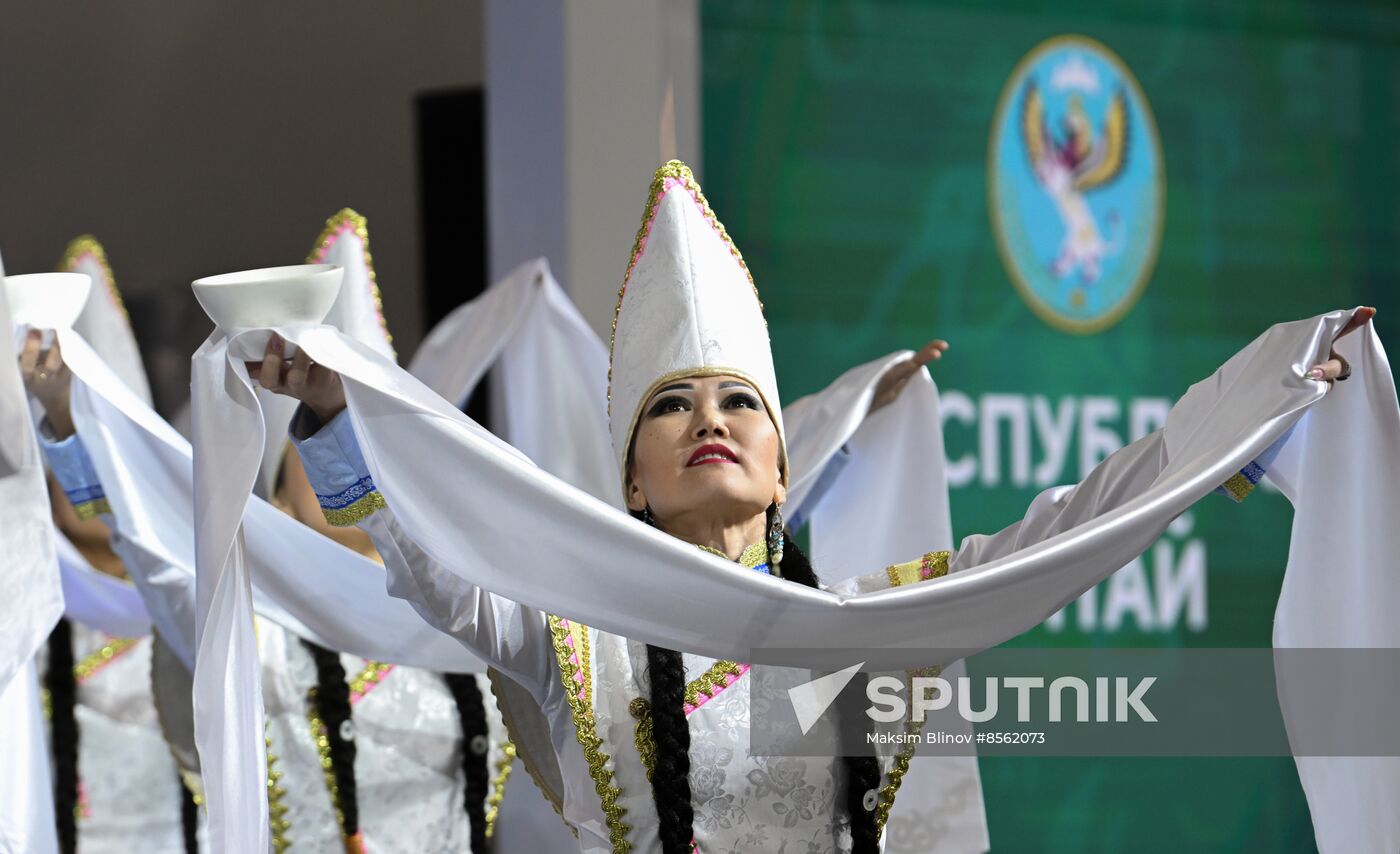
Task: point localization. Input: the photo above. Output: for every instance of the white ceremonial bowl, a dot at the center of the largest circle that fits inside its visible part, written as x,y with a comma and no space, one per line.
47,300
298,295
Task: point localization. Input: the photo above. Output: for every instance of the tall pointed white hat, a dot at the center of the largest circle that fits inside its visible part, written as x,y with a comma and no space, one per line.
104,322
358,312
688,307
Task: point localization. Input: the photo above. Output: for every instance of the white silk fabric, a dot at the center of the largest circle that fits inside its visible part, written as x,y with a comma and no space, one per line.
31,601
550,381
103,322
147,472
888,504
26,800
1341,470
98,600
547,400
499,522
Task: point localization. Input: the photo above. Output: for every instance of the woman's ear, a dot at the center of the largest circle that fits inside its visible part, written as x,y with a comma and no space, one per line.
636,499
780,492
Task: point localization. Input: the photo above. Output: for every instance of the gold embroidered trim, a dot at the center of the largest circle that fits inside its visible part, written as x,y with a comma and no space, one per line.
901,760
930,566
323,755
194,784
1238,487
498,787
95,661
677,170
88,245
710,681
347,516
369,678
357,223
531,771
644,735
276,809
576,677
754,554
92,509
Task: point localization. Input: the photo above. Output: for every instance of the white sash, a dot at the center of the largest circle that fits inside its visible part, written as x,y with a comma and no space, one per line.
498,521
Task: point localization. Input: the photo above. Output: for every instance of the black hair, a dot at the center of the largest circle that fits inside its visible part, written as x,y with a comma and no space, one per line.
331,699
670,781
63,688
189,817
471,711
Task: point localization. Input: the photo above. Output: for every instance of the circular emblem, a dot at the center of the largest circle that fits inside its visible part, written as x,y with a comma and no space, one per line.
1076,184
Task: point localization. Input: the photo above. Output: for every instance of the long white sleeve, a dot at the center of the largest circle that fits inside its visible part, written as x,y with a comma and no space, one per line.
166,589
511,637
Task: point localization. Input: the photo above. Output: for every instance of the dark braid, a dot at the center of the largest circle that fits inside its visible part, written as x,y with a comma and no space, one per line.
471,710
189,817
670,779
670,783
862,772
63,689
331,699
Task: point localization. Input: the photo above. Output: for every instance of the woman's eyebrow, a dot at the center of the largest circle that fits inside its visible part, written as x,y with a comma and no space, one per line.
735,384
675,387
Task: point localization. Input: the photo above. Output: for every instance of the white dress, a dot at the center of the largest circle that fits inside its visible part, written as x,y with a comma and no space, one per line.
588,683
406,728
129,791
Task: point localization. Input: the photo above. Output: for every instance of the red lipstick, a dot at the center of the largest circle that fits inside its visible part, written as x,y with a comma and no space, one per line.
712,453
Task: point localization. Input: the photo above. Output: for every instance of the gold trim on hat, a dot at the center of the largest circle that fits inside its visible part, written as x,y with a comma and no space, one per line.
88,245
358,224
677,170
703,372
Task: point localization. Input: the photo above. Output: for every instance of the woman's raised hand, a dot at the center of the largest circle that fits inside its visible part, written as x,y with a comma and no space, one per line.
1336,368
47,378
897,377
314,385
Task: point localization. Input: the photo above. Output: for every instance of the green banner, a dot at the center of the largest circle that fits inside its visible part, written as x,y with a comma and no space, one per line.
1096,207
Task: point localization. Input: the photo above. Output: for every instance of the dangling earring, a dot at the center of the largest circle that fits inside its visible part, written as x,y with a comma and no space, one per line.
775,541
647,517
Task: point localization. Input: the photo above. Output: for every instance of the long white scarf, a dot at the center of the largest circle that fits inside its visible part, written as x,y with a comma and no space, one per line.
26,802
551,375
98,600
889,501
147,471
31,601
501,523
1341,470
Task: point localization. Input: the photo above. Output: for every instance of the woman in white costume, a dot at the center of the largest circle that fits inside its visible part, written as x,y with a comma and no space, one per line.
362,755
105,734
391,750
651,744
